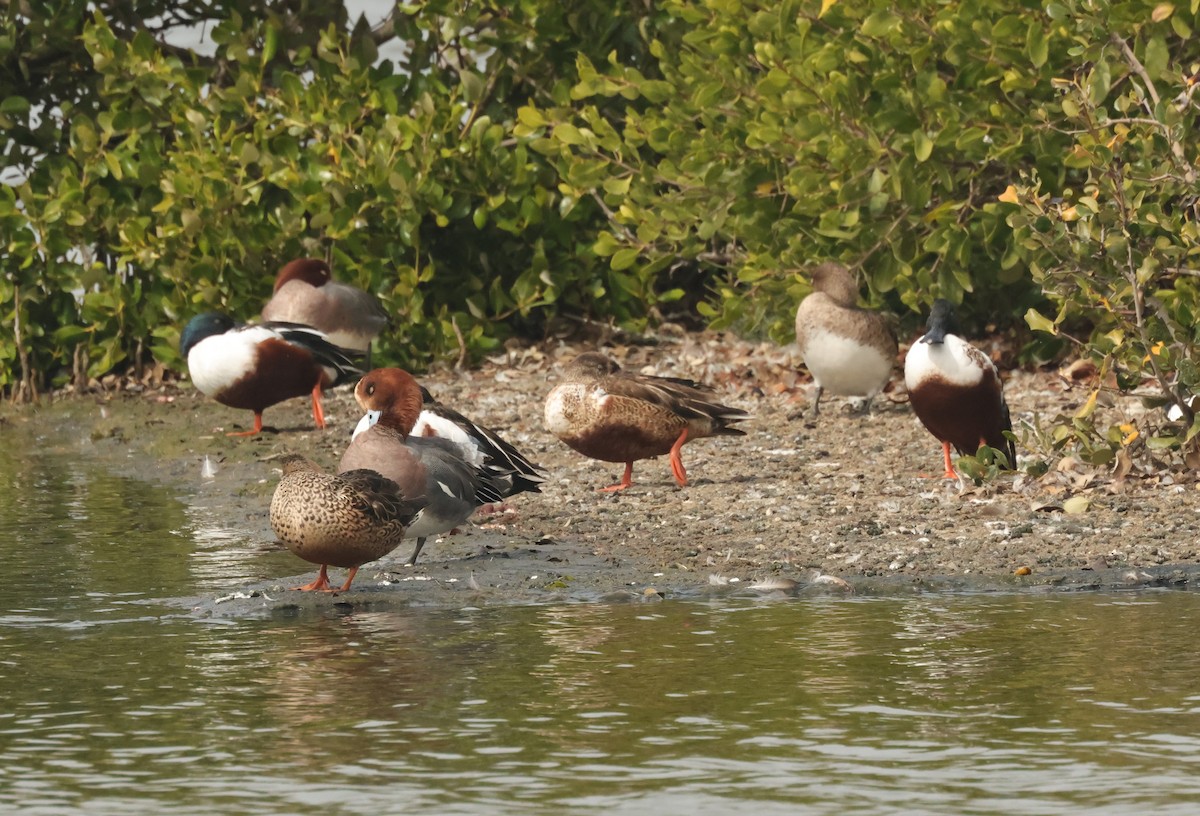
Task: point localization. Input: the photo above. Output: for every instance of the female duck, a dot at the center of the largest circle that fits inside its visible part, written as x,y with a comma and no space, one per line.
849,351
258,365
341,521
429,467
615,416
956,391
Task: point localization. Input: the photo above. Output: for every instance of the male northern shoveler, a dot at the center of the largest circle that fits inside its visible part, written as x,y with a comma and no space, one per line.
257,365
422,465
849,351
956,391
480,446
615,416
341,521
305,292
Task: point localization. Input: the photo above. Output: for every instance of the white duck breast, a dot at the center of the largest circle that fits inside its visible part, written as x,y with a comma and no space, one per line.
220,360
954,361
562,411
844,366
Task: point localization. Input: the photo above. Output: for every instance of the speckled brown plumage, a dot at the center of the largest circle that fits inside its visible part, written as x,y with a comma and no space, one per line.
609,414
343,521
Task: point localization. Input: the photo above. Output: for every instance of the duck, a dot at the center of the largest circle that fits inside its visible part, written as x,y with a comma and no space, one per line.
480,446
849,351
426,466
606,413
305,292
343,520
257,365
956,391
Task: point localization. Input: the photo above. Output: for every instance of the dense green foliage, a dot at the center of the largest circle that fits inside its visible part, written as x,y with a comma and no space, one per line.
524,162
1115,248
181,184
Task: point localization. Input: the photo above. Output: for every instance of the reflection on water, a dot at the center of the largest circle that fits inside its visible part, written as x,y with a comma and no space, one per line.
114,702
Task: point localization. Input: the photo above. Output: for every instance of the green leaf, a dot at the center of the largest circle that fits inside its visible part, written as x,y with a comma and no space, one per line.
617,186
530,117
656,91
568,134
15,106
1038,322
1037,45
922,145
472,85
880,23
624,258
1156,58
1099,83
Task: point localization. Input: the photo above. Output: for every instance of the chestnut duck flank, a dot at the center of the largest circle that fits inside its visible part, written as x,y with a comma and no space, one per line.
344,521
956,390
849,351
305,292
613,415
255,366
425,466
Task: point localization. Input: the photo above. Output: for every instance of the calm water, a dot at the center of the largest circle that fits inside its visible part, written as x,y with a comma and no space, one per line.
115,701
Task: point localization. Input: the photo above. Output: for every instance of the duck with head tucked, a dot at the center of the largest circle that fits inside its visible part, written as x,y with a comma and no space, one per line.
421,465
255,366
849,351
956,390
480,446
344,521
613,415
305,292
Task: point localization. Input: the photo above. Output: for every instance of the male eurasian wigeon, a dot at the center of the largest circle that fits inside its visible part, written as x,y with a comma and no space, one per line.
849,351
305,292
956,390
613,415
342,521
257,365
421,465
480,446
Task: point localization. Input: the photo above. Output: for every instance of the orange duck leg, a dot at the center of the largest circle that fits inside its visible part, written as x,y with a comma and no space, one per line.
321,583
949,474
677,461
318,414
625,482
257,429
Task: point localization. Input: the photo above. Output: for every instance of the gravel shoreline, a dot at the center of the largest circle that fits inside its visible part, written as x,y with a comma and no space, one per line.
846,503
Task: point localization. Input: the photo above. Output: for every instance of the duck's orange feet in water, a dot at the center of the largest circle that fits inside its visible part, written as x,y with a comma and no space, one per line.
625,482
677,462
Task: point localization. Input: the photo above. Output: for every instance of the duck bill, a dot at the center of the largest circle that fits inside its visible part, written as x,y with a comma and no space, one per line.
369,419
